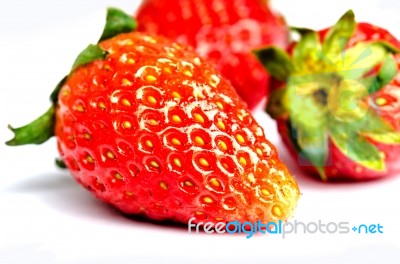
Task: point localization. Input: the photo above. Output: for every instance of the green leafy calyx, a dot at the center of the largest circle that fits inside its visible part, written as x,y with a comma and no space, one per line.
117,22
88,55
36,132
326,91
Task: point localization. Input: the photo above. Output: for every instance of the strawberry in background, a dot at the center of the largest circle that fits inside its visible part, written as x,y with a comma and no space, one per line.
223,31
336,98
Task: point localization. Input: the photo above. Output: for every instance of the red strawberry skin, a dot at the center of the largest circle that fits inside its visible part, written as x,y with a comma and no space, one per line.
153,129
224,32
340,167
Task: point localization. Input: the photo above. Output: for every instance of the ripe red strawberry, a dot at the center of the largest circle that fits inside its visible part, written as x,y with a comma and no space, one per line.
223,31
149,127
336,98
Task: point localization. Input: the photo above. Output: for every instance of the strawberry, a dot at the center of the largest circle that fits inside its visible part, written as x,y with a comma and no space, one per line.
149,127
223,31
336,100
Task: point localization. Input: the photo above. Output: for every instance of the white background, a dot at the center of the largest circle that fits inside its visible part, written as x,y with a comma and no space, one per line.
45,217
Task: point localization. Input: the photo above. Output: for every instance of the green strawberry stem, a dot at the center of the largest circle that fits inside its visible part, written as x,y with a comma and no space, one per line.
323,97
42,128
